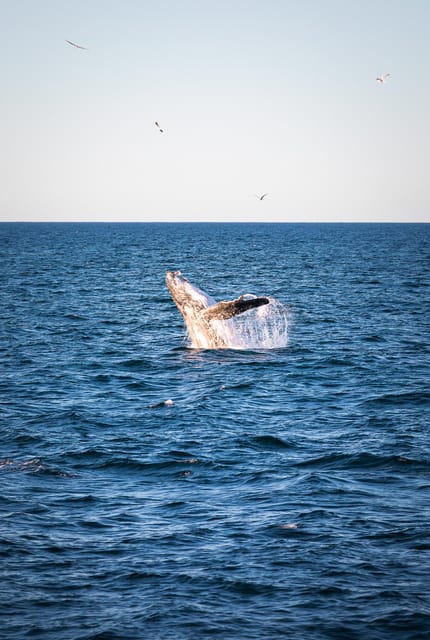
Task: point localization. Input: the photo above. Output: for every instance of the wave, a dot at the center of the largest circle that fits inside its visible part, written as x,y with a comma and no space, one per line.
32,465
365,460
401,398
270,442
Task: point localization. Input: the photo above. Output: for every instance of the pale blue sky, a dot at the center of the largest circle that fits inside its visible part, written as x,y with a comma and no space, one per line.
254,96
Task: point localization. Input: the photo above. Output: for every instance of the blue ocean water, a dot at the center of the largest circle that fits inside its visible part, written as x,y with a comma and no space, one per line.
284,494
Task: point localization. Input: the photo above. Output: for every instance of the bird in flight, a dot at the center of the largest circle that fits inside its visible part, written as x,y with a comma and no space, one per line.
261,197
159,128
78,46
383,78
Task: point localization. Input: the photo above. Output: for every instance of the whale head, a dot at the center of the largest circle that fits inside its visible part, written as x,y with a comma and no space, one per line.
190,300
191,303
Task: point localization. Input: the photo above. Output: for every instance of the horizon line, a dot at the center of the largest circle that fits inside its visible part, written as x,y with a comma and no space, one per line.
214,222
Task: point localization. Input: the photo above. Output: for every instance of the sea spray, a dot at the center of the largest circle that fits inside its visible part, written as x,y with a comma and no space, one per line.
264,327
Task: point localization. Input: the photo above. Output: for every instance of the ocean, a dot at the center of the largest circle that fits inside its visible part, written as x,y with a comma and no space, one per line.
279,492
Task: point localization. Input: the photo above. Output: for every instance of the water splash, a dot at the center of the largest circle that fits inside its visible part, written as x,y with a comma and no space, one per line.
264,327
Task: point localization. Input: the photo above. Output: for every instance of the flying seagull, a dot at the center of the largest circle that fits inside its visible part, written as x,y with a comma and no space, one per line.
78,46
159,128
261,197
383,78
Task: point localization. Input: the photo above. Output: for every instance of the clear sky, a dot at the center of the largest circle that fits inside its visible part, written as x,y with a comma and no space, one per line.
254,96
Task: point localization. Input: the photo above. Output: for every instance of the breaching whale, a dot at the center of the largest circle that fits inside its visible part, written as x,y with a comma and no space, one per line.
203,316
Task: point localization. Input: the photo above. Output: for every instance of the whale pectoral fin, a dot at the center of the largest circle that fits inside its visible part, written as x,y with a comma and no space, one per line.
228,309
